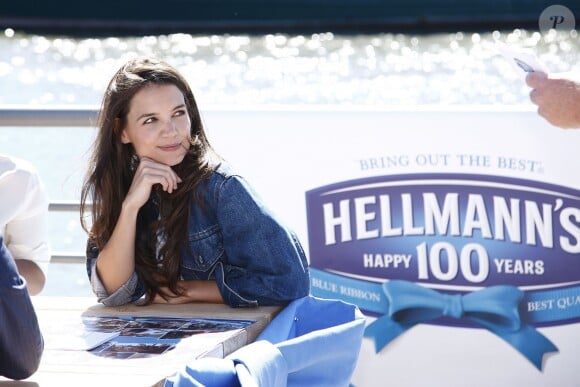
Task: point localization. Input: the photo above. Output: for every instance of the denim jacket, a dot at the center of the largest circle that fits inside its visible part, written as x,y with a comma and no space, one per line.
236,241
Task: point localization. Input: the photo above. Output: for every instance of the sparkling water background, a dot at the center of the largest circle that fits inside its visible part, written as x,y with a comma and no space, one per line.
325,68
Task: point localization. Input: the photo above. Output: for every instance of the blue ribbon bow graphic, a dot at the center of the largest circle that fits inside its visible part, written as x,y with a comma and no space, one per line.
495,308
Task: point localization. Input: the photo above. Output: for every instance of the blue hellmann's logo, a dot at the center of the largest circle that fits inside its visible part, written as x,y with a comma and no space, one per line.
455,233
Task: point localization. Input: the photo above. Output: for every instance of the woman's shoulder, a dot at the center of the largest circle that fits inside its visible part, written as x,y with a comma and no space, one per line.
224,177
222,172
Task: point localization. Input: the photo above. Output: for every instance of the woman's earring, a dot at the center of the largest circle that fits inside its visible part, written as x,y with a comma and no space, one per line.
193,140
134,162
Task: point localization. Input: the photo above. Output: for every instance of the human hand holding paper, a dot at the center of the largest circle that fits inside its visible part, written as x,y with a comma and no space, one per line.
557,97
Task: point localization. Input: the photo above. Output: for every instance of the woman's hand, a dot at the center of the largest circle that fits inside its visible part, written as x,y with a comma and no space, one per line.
171,298
149,173
192,291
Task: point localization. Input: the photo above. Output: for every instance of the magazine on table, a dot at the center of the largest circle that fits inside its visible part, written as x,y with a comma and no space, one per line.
136,337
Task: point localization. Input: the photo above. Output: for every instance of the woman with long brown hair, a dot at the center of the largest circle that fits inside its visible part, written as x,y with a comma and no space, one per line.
170,221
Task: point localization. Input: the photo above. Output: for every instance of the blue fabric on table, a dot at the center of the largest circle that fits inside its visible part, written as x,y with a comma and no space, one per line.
206,372
311,342
260,364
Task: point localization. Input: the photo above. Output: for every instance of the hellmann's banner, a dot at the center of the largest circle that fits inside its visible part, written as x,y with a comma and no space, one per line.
496,252
457,233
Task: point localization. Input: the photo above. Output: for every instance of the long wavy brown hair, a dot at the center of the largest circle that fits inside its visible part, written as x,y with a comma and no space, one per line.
112,166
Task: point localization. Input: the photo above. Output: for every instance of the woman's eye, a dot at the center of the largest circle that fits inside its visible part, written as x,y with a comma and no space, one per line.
179,113
148,120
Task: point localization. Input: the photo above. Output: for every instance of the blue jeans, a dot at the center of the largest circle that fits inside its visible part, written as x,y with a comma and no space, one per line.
21,342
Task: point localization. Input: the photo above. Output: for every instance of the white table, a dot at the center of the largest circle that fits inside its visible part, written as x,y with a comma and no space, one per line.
60,316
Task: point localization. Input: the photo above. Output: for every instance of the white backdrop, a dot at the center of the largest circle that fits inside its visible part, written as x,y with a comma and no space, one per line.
285,153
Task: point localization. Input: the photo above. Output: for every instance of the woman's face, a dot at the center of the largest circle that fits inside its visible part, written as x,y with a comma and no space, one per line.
158,124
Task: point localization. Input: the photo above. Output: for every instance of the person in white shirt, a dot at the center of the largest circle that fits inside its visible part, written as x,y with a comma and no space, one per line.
24,220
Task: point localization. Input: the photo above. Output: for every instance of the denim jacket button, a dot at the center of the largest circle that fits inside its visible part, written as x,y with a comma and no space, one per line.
94,252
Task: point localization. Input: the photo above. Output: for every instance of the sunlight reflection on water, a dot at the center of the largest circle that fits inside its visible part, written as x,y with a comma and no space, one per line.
379,69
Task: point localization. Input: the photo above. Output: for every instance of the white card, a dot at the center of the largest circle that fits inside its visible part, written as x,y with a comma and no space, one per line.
521,61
